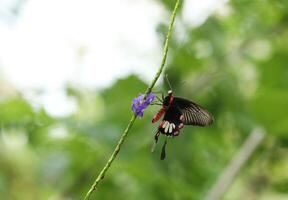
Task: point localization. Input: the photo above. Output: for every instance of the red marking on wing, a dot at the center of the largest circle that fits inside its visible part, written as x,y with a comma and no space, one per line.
161,124
158,115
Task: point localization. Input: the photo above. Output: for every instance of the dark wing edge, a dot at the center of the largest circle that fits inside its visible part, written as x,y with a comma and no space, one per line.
193,114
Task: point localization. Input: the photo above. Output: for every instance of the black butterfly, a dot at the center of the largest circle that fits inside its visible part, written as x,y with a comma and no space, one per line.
177,113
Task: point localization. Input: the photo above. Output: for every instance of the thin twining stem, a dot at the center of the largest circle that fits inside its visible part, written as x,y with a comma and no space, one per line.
102,173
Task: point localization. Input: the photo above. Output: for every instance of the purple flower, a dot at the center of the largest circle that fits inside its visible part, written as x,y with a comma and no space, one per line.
139,105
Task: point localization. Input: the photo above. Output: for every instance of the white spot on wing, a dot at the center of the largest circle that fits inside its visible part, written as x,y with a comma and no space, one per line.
166,127
165,124
171,128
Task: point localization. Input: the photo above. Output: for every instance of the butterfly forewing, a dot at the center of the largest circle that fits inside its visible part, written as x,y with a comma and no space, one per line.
193,114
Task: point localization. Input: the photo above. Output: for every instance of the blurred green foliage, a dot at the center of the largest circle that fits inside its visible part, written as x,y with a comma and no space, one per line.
234,64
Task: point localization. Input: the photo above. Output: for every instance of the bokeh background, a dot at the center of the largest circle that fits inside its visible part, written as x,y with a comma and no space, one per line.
68,73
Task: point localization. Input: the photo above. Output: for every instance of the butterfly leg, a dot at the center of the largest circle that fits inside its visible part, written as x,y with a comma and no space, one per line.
159,99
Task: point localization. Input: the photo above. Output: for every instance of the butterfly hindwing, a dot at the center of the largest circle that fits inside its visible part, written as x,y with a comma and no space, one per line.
171,121
193,114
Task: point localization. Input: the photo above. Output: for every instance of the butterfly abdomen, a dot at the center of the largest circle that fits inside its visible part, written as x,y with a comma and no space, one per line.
158,115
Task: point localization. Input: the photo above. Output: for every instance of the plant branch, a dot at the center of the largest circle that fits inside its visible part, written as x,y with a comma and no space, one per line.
133,118
235,165
165,50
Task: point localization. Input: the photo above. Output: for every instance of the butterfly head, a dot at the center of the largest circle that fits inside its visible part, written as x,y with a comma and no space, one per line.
168,99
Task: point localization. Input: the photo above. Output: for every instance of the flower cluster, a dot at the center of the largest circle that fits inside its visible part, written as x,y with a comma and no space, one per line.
139,104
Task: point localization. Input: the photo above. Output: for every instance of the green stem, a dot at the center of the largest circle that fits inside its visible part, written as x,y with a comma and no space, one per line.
165,50
133,118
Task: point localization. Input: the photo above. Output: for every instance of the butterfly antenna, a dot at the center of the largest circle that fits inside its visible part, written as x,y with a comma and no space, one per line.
163,151
159,99
166,76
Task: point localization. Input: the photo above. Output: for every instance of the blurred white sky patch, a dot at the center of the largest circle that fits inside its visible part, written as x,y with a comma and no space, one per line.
195,12
86,42
114,37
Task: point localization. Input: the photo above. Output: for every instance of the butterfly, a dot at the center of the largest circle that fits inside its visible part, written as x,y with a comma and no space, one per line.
179,112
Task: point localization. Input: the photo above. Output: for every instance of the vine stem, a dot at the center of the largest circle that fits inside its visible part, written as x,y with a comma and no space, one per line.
102,173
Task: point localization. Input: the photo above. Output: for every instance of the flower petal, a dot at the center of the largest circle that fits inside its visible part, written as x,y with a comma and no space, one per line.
139,104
